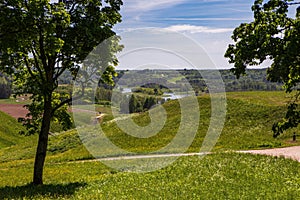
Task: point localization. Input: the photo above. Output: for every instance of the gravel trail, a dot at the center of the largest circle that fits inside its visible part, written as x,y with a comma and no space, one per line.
287,152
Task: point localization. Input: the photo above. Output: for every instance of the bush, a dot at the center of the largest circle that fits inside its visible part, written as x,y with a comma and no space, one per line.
5,87
135,103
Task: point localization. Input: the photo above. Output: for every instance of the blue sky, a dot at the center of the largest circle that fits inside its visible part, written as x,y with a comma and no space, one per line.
209,22
163,13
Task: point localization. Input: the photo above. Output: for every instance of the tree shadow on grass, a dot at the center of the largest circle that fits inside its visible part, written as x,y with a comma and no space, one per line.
31,191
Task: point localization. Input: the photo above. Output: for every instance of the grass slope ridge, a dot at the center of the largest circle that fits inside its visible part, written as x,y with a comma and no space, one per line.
248,126
216,176
9,131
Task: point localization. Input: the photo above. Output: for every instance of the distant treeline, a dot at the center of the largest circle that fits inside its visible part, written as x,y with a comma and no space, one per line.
175,80
255,79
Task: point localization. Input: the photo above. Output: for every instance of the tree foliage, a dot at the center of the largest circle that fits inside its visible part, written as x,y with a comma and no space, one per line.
5,87
273,36
135,103
42,39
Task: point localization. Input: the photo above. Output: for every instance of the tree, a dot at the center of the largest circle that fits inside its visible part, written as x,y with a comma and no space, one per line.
133,103
42,39
149,102
124,104
5,87
272,36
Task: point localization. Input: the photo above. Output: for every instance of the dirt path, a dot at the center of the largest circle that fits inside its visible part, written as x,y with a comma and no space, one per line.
287,152
133,157
14,110
82,110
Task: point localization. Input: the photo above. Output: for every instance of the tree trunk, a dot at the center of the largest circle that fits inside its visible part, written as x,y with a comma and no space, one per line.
42,145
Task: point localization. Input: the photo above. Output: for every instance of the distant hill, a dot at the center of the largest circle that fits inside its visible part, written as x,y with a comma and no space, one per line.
254,80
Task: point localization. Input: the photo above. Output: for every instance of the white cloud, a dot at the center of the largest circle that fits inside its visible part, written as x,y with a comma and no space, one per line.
208,19
142,5
197,29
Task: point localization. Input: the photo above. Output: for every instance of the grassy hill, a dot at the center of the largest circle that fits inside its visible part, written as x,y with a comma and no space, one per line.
9,131
222,175
249,119
248,124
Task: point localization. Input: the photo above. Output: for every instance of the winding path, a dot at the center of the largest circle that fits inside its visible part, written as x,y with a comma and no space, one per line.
287,152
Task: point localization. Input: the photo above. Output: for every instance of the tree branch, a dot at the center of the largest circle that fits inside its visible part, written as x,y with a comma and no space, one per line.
69,100
37,65
30,71
42,50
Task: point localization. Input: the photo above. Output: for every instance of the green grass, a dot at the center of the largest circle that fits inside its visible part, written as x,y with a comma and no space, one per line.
248,125
219,176
9,131
14,101
271,98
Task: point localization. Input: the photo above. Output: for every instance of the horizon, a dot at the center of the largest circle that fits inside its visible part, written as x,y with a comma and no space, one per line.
176,69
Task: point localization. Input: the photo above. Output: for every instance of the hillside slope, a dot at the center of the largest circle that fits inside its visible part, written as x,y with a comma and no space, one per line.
248,125
9,131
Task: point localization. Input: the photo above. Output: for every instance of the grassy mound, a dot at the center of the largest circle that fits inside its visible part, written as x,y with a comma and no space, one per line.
9,131
248,124
218,176
249,119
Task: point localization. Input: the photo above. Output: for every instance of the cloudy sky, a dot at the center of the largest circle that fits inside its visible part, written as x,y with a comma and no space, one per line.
208,22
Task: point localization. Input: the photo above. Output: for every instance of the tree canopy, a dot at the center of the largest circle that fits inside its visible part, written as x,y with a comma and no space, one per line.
273,36
42,39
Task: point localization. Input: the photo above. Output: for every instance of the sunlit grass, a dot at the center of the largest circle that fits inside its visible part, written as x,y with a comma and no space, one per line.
13,100
265,98
9,131
248,126
218,176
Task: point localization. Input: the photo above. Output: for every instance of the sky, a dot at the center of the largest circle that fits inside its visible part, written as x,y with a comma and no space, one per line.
209,23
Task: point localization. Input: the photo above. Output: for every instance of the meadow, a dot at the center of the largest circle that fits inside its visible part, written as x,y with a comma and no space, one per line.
70,172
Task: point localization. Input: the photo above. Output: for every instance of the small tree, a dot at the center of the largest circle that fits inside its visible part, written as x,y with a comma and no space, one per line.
124,105
5,87
133,103
42,39
273,36
149,102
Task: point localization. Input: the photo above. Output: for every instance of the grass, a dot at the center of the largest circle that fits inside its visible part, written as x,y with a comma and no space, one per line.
9,131
271,98
15,101
248,126
218,176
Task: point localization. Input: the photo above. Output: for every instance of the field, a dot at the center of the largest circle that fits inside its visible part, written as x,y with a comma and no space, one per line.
70,172
219,176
